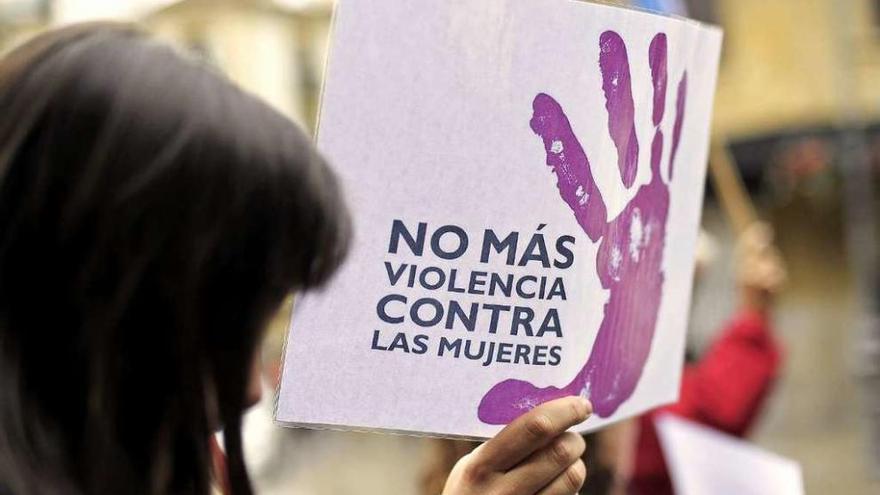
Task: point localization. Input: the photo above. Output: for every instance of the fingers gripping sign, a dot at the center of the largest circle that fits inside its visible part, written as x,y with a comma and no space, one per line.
532,455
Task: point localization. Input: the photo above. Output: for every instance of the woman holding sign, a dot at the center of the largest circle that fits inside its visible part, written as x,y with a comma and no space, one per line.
152,217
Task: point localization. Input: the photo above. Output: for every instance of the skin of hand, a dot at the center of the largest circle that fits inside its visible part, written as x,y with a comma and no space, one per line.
761,272
532,455
255,383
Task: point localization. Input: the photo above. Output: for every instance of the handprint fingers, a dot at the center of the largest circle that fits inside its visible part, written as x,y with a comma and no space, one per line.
657,59
569,161
680,103
617,86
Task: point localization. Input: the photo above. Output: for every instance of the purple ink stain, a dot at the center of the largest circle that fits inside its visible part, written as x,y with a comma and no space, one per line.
679,119
616,84
567,158
657,60
630,258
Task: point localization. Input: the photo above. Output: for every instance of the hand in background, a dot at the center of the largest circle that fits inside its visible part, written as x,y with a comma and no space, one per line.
532,455
760,271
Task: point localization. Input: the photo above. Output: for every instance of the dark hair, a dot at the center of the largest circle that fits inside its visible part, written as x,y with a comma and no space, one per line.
152,217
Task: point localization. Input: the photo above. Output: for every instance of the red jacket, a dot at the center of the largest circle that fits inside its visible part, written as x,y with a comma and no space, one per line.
724,390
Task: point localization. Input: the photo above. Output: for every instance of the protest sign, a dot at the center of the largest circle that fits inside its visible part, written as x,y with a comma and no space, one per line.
526,179
701,460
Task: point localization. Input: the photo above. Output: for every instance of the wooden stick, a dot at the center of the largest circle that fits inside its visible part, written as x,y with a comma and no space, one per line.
732,194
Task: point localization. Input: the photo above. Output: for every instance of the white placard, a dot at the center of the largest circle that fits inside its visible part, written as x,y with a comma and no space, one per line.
526,179
701,460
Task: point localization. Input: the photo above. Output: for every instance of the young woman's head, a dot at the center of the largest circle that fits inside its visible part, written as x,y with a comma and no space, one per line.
152,217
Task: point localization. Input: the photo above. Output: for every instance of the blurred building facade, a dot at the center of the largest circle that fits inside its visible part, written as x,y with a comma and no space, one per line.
20,18
790,64
273,49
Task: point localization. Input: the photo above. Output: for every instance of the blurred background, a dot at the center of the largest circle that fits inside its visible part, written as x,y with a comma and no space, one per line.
797,116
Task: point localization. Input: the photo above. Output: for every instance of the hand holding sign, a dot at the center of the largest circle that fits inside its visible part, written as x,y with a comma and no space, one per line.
533,455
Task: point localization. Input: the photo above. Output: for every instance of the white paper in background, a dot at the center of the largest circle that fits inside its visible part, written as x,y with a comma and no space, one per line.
701,460
526,179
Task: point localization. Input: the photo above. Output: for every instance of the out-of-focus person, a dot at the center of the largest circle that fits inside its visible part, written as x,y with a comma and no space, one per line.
727,387
166,214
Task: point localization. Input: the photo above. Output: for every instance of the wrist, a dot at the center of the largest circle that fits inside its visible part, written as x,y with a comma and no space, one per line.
755,300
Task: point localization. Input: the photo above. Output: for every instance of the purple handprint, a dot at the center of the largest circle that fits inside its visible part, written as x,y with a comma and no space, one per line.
629,261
